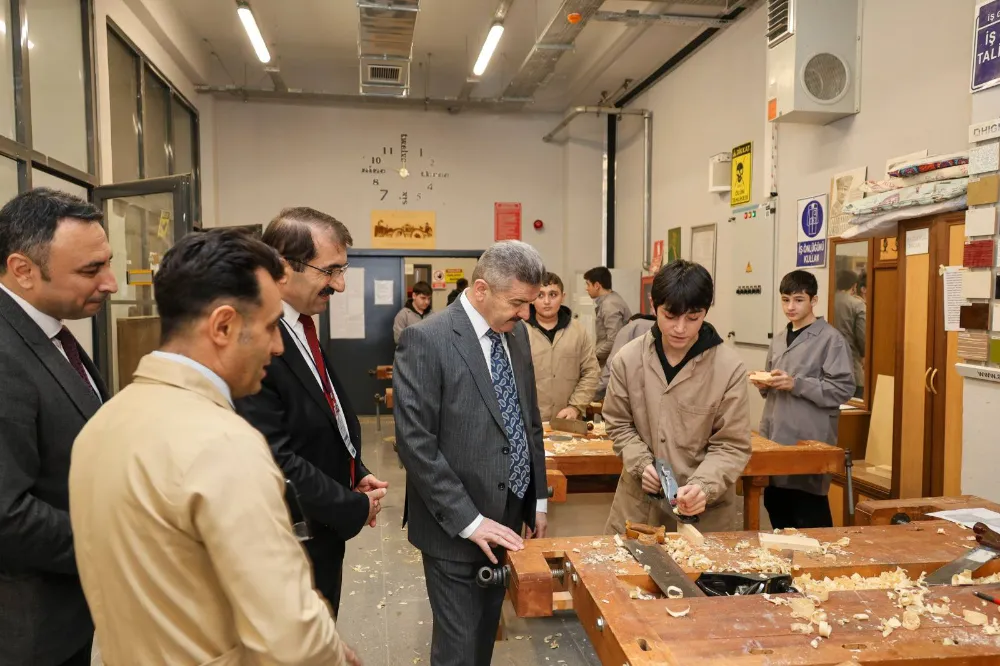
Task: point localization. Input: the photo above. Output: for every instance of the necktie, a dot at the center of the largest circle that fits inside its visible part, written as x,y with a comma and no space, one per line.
310,328
72,349
510,409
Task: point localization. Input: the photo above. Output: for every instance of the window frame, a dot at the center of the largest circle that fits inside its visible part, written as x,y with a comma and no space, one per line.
21,147
174,96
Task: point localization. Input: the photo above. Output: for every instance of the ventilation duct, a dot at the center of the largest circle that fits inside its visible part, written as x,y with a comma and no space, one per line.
555,40
780,23
385,45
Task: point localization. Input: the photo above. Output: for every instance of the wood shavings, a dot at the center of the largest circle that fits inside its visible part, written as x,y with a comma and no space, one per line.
674,592
815,643
618,541
940,530
964,578
992,629
975,618
802,608
939,609
890,625
860,616
802,628
777,601
824,629
887,580
577,550
639,593
818,617
911,620
680,613
947,641
605,601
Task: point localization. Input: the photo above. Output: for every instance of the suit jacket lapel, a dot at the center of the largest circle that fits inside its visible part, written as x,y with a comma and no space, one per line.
471,351
302,371
80,393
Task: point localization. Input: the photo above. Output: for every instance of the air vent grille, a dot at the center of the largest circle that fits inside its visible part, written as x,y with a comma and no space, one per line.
384,73
780,24
825,78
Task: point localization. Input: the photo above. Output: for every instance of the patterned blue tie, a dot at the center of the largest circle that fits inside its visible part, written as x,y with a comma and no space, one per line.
510,408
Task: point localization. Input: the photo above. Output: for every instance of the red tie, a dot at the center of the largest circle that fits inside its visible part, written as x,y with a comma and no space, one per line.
313,340
72,349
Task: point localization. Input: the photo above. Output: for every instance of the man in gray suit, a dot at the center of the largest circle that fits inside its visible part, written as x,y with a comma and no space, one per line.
55,264
470,437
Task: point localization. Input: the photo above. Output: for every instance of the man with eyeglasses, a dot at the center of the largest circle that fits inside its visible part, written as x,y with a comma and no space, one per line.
302,408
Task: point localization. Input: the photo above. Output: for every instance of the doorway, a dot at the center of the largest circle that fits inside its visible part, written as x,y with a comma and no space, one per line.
357,327
143,219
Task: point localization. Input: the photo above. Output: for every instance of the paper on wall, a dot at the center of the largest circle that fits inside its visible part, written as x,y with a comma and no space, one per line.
383,292
918,241
981,221
347,310
953,300
977,284
969,517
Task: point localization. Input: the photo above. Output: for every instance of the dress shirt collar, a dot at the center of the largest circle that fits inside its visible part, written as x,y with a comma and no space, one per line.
49,324
216,380
479,323
291,315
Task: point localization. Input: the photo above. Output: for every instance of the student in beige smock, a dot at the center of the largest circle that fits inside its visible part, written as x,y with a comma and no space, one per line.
566,369
678,393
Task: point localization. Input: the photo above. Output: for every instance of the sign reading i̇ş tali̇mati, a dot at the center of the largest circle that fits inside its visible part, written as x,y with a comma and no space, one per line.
986,52
811,241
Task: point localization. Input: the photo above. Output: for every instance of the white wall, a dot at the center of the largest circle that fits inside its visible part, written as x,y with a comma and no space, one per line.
270,156
910,100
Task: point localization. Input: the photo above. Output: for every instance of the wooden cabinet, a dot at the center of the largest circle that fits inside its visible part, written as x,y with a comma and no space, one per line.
927,418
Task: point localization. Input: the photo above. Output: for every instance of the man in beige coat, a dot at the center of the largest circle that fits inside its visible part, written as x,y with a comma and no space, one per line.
678,393
183,539
566,369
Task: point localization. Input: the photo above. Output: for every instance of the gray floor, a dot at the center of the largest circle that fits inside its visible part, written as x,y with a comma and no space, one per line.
384,612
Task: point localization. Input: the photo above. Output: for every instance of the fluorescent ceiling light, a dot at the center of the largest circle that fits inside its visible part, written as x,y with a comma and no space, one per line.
489,46
253,32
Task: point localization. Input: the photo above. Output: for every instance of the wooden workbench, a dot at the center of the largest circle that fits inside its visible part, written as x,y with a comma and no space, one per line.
738,631
595,456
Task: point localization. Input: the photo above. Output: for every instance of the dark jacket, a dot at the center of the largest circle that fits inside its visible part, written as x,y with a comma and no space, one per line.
293,414
44,404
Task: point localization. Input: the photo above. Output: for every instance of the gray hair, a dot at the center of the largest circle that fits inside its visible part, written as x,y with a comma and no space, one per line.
507,261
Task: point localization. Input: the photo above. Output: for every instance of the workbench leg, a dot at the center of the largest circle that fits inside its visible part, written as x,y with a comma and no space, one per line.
752,488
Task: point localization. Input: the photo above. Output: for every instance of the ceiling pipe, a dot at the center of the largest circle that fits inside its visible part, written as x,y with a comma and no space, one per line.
647,164
390,99
634,17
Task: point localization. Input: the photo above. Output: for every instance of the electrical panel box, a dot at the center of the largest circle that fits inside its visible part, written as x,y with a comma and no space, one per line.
754,292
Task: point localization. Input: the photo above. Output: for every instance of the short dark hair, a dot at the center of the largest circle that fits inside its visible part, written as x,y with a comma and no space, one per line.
203,269
28,223
461,284
863,280
846,279
600,275
799,282
422,288
290,233
682,287
552,278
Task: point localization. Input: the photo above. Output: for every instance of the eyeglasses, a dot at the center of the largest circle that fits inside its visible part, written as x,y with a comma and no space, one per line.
334,272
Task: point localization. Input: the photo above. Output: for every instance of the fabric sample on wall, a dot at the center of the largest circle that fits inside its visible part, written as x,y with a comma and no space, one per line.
981,221
932,163
984,158
985,190
978,254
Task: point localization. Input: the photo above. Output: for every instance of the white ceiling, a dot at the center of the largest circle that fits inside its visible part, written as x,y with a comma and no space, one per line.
314,43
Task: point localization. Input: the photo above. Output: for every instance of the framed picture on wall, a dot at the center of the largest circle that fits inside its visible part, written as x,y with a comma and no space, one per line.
645,298
703,247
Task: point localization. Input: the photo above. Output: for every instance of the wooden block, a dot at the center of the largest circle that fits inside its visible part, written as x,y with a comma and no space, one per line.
975,316
691,533
985,190
978,254
562,601
388,398
788,542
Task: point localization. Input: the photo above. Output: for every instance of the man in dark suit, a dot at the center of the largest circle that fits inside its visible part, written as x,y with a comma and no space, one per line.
55,264
302,408
470,437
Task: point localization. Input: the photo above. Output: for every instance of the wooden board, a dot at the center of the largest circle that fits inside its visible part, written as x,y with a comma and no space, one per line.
749,630
880,512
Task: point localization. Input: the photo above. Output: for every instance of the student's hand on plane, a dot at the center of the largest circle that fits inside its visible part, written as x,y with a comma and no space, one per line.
568,413
781,380
691,500
651,481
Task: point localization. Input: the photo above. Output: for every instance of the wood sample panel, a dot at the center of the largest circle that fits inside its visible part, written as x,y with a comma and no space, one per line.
750,630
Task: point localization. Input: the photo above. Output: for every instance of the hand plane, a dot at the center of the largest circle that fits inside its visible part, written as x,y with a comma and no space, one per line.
669,488
988,549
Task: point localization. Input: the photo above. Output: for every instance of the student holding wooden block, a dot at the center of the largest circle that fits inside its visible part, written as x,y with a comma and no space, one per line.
811,375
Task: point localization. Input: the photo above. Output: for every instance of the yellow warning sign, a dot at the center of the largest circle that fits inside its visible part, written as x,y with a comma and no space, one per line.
742,171
749,268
